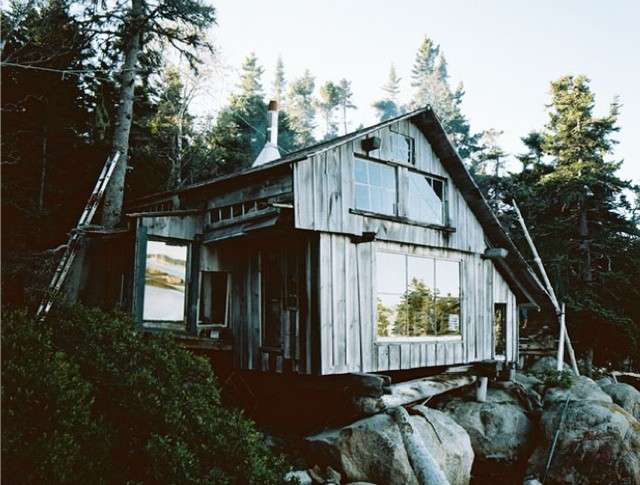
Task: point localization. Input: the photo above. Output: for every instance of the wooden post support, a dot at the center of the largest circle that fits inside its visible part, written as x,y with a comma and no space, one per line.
552,294
561,338
481,389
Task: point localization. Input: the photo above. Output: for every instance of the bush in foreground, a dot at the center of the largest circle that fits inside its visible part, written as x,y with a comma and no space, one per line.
87,399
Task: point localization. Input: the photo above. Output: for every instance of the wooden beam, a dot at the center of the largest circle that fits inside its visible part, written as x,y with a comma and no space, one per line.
420,389
552,294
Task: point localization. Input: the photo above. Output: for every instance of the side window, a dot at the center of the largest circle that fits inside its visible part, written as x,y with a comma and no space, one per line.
214,297
164,281
417,296
375,187
426,199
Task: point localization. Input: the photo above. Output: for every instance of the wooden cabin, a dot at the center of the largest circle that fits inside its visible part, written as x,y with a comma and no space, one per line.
372,252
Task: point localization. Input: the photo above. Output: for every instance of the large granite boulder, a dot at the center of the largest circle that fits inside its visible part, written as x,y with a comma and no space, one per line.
625,396
372,449
581,389
500,431
598,442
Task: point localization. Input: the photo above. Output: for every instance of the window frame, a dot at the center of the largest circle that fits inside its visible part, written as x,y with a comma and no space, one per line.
396,202
425,338
227,308
445,195
180,325
402,195
412,147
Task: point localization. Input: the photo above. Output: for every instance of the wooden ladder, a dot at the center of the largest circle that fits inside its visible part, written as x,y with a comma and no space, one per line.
73,243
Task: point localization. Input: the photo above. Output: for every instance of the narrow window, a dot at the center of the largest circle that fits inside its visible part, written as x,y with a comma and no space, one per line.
164,281
272,294
214,297
426,195
500,328
417,296
375,187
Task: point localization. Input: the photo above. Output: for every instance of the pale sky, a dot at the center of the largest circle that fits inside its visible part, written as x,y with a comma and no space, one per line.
505,52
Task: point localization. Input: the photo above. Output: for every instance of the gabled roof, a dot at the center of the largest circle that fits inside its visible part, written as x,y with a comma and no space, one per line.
515,269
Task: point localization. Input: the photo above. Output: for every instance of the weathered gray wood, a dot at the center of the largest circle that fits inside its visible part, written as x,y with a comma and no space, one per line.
425,467
139,273
193,287
408,392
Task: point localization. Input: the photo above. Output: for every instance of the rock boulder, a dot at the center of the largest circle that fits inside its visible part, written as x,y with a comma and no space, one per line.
372,449
598,443
625,396
582,389
500,432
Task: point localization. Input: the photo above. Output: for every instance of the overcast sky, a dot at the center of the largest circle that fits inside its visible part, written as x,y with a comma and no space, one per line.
505,52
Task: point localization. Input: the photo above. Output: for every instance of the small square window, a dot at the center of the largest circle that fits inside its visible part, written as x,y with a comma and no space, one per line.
214,297
402,147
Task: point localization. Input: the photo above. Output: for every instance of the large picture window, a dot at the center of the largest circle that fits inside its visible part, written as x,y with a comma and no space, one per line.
417,296
426,195
164,281
375,187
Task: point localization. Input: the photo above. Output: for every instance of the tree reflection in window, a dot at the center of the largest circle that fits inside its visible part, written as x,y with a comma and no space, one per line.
417,296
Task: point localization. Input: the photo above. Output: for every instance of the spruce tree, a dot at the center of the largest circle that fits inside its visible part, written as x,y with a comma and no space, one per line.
327,102
279,83
345,94
389,105
301,109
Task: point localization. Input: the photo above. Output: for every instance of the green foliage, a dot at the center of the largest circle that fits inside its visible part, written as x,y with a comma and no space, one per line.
553,378
47,423
581,217
301,109
87,399
430,80
389,106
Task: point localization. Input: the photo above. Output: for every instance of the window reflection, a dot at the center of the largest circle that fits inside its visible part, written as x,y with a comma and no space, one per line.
164,285
417,296
375,187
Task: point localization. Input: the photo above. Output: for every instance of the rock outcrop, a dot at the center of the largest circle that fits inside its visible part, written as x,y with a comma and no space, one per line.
500,431
597,442
625,396
372,449
581,389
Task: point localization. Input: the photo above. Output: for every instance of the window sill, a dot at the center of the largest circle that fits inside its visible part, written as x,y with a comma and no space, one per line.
403,220
413,340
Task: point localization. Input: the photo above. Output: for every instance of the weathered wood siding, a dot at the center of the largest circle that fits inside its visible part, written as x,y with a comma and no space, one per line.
348,311
323,198
323,193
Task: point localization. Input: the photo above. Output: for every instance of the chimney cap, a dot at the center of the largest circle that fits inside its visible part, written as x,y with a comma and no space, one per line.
273,105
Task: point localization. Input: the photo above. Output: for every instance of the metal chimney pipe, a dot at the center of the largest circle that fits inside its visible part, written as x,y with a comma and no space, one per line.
270,150
272,120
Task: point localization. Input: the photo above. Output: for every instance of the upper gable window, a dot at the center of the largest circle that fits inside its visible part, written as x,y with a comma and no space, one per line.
375,187
164,281
425,201
402,147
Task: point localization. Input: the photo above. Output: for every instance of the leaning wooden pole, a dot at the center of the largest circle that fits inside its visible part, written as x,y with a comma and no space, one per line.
564,335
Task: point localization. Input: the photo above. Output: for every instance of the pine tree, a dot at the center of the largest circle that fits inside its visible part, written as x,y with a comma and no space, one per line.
345,94
279,83
581,217
327,102
250,83
389,106
140,30
301,109
430,80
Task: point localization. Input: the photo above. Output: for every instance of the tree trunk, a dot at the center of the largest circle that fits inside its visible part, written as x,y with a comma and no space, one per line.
585,250
114,195
588,362
43,171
